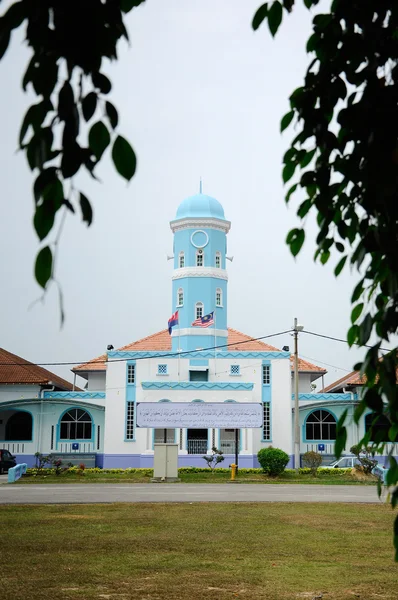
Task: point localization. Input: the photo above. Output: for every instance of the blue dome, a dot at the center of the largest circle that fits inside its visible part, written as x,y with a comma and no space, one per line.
200,205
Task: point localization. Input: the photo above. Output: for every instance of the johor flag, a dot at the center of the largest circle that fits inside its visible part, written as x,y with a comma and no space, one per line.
205,321
173,321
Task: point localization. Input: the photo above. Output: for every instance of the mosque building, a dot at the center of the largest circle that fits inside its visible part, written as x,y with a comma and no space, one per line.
199,359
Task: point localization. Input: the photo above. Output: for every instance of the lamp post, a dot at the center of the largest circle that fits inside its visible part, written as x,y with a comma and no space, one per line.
296,330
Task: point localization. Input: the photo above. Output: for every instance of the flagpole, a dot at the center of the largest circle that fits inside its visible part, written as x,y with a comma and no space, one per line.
179,346
215,340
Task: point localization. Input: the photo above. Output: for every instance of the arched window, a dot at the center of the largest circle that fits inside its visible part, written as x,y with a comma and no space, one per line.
199,258
181,260
379,431
218,297
320,425
19,427
180,297
218,260
198,310
76,424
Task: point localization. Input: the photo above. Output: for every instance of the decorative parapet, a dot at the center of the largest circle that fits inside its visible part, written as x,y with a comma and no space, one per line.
326,397
74,395
195,385
126,355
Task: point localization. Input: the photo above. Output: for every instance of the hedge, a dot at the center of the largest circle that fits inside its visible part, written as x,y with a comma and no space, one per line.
181,470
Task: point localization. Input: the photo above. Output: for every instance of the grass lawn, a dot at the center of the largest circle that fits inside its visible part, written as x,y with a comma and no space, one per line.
287,477
197,551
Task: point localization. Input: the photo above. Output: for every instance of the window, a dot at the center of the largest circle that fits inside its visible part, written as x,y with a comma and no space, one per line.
235,370
180,297
130,374
218,297
19,427
266,374
199,258
218,260
162,369
76,424
266,422
380,429
198,310
321,425
181,260
162,436
130,420
199,375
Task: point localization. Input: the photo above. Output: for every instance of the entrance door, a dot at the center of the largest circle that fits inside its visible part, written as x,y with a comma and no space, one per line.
227,441
197,441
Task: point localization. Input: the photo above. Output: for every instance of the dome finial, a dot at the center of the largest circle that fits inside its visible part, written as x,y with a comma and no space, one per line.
200,185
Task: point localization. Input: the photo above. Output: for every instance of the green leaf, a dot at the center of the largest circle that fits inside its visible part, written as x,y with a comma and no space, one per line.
111,114
71,160
98,139
357,291
89,105
87,211
101,82
352,334
307,158
286,120
290,192
260,15
356,312
288,171
275,17
325,255
393,432
295,239
127,5
365,329
124,158
304,208
4,40
15,15
341,434
340,266
43,266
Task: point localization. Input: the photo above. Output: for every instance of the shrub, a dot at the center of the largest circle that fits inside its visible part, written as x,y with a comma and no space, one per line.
213,459
363,454
272,460
313,460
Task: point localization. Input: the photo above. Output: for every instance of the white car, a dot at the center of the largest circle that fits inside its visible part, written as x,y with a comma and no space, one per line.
345,462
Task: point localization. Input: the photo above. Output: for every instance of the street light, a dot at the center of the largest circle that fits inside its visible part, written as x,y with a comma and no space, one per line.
296,329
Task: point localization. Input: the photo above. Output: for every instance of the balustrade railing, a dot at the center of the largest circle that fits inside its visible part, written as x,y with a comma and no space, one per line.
197,446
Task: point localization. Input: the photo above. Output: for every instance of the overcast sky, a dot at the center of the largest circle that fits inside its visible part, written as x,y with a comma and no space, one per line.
199,94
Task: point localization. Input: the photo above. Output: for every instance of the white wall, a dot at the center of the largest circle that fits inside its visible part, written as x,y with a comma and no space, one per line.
96,381
18,392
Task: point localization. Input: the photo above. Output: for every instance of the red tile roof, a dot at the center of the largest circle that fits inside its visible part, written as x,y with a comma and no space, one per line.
161,341
17,370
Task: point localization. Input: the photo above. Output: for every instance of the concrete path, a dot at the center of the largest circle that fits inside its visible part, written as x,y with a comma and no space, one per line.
177,492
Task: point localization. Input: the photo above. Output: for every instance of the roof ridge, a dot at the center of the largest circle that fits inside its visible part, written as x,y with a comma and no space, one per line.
34,370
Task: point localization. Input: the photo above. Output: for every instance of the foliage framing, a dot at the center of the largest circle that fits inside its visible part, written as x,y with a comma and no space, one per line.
344,159
69,40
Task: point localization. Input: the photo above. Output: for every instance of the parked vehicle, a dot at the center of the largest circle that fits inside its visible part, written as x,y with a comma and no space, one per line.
7,461
345,462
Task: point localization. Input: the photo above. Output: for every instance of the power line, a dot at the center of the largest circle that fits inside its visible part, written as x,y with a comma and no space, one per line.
169,355
329,337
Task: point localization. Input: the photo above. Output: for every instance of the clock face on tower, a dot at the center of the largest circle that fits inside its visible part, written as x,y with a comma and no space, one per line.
199,239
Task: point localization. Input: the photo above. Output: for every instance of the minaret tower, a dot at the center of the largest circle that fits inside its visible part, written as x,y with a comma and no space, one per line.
200,277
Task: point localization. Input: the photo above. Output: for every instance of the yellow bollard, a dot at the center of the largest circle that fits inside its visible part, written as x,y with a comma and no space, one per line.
233,472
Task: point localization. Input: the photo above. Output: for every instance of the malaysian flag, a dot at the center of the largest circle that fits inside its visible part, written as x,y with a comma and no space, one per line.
205,321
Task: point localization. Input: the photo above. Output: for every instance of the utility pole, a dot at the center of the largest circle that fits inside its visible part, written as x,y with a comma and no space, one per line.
296,330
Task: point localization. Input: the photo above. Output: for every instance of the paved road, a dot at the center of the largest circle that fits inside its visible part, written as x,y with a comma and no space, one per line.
163,492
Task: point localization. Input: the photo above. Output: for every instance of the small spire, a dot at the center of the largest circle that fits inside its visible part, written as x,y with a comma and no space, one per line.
200,185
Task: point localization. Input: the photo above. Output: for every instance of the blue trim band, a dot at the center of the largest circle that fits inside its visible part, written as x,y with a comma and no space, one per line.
125,355
76,395
195,385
